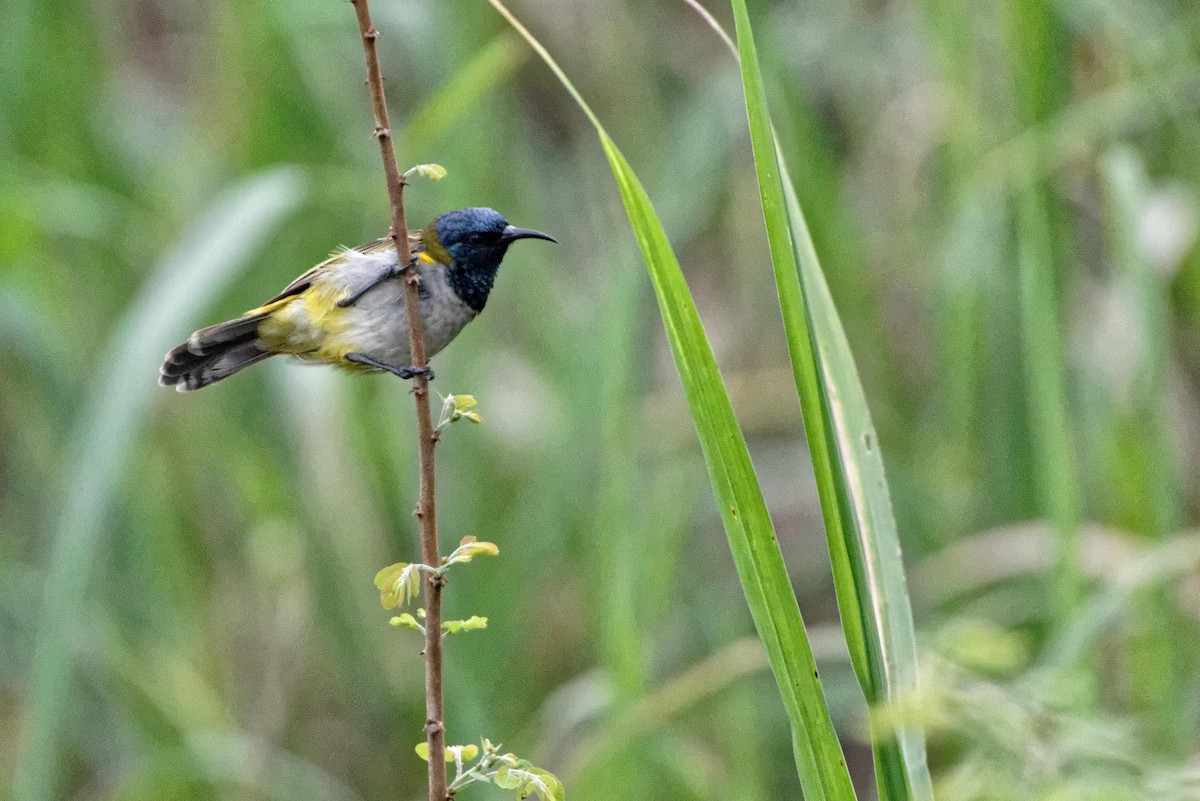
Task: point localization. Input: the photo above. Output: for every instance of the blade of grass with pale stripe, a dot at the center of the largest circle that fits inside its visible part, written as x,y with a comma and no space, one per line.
864,545
748,525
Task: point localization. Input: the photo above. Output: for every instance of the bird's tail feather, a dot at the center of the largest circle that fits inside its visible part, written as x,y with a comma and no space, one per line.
214,353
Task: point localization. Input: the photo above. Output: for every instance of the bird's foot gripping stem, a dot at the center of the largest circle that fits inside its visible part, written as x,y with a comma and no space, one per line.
412,372
391,271
406,372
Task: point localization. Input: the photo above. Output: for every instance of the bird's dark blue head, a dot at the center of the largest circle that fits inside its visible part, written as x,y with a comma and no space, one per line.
473,241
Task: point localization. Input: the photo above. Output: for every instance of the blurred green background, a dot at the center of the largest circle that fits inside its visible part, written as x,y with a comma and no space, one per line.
186,608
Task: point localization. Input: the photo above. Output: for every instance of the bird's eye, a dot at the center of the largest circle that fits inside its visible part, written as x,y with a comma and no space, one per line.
475,239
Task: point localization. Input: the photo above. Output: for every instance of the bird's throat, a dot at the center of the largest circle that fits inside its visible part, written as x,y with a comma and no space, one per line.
473,285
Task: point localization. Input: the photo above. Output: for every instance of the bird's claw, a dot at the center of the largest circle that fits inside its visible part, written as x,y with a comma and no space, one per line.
413,372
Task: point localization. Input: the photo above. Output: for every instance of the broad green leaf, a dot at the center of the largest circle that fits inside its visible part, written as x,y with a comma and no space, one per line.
748,526
864,545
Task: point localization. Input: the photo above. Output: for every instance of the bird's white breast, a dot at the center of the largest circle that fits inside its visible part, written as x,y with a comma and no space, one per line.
378,322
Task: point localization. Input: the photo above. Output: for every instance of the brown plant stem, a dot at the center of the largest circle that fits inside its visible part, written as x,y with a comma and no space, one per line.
426,510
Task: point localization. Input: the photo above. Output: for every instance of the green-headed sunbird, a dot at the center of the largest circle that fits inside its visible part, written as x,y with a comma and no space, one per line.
349,310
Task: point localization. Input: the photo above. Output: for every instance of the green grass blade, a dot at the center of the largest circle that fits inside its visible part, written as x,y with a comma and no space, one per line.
216,251
873,542
1138,279
1054,463
1147,461
488,68
864,545
1040,74
748,525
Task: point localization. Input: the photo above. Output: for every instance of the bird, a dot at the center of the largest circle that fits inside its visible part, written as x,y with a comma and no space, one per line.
349,310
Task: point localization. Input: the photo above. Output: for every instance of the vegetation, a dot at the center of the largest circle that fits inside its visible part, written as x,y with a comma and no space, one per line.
1004,209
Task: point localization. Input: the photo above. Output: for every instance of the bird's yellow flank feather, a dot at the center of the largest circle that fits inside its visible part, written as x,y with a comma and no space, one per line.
310,323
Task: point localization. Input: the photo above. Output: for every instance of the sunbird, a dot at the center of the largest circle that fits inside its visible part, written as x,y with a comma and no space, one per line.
349,309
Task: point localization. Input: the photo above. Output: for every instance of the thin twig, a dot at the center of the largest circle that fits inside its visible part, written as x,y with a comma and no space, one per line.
426,511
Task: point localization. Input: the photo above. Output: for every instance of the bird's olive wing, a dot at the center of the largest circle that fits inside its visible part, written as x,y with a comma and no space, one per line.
306,280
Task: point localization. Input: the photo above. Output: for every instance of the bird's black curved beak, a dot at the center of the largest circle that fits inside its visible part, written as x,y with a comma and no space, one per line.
513,233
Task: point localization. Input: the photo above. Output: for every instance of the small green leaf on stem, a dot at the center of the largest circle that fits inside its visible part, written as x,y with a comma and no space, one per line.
529,781
463,402
434,172
454,753
458,754
458,407
473,623
406,621
469,548
398,584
